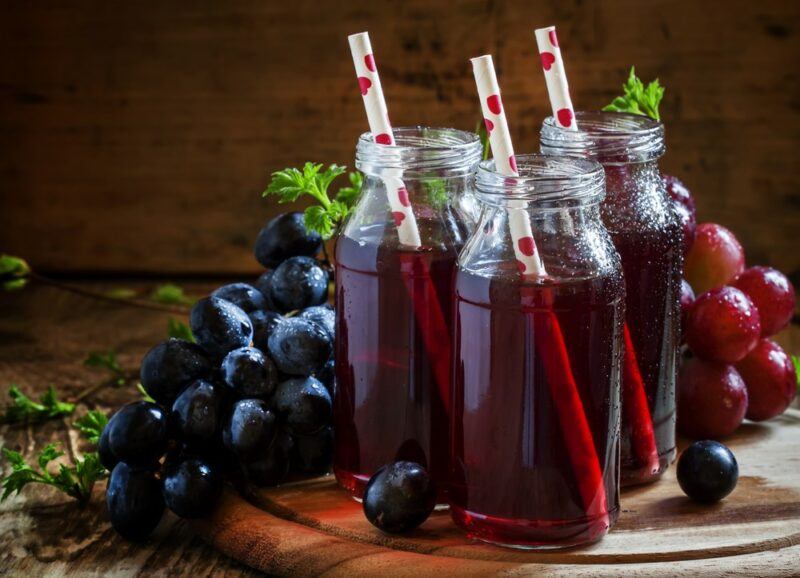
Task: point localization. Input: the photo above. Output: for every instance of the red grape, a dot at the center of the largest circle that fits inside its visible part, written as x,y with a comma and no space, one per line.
722,325
678,192
772,294
771,381
687,299
684,207
688,225
712,399
716,257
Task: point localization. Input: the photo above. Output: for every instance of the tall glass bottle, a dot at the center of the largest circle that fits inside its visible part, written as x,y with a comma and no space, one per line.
535,420
647,234
394,305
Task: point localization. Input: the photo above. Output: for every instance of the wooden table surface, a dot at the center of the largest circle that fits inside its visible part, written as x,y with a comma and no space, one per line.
45,334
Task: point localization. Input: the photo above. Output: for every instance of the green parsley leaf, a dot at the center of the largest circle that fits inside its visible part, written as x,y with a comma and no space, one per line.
436,191
291,183
49,453
317,218
349,195
171,294
23,408
179,330
88,471
76,481
106,360
145,395
638,98
91,425
325,178
796,361
13,272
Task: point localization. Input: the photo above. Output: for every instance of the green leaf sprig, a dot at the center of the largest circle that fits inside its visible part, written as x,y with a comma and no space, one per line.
796,361
179,330
291,183
171,294
91,425
14,272
75,480
24,409
145,396
638,98
436,192
106,360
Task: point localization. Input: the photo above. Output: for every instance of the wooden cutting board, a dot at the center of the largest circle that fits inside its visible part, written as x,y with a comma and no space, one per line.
313,527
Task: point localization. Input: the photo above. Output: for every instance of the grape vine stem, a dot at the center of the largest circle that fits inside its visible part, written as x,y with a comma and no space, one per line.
141,303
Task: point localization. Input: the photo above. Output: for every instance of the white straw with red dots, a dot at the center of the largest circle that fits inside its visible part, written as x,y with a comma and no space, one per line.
494,116
378,117
555,77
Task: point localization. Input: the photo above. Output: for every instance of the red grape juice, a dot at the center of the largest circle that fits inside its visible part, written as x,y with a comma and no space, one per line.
650,248
518,475
393,358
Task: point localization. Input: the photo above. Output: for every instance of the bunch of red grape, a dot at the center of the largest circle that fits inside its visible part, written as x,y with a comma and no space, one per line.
734,371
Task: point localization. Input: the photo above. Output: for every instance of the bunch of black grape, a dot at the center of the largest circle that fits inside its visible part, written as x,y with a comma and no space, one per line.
251,399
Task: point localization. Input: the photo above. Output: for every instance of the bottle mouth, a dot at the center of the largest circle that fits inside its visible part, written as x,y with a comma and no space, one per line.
544,181
612,138
420,152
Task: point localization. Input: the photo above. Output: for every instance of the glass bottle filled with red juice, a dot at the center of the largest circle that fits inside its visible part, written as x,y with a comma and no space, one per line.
394,304
535,419
647,234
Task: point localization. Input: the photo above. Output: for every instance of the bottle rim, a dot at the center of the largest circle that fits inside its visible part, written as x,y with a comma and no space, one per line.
544,181
420,152
612,138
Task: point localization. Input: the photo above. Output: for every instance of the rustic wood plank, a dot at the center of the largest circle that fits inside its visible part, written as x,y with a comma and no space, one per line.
658,526
45,334
140,135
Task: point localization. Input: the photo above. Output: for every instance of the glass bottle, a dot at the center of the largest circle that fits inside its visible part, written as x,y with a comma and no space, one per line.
647,234
394,304
535,420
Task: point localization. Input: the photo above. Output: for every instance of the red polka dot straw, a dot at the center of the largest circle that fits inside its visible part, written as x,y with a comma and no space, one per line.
424,299
555,77
505,163
369,83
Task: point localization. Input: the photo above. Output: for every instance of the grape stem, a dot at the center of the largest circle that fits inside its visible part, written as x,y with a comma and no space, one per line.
178,309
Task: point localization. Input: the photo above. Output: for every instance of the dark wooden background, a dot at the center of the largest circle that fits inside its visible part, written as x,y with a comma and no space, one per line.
135,137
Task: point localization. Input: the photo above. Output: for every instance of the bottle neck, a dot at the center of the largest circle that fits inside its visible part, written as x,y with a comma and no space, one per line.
572,243
423,153
610,138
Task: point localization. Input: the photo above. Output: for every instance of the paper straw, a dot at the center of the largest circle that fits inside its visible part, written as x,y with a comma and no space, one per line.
378,117
635,407
494,116
555,77
421,289
544,326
